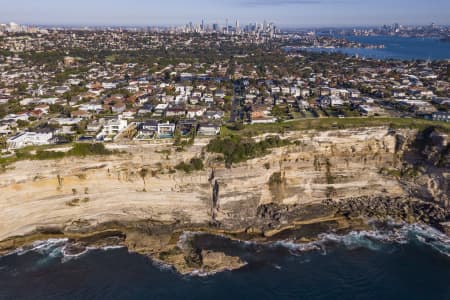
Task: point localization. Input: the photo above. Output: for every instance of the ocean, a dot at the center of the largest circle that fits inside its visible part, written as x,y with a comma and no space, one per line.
396,48
413,262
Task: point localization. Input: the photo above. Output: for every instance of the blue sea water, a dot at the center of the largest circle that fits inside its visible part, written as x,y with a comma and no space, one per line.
397,48
412,264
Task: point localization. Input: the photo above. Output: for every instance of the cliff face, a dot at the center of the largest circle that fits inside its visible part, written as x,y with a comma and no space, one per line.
428,153
324,181
327,165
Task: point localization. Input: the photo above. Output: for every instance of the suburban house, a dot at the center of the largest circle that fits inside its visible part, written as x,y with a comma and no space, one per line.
330,101
194,112
147,130
166,130
160,110
25,139
176,112
112,127
187,126
91,107
146,109
119,107
81,114
208,129
441,116
219,94
214,114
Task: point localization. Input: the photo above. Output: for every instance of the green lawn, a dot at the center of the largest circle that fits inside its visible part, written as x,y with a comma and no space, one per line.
334,123
46,153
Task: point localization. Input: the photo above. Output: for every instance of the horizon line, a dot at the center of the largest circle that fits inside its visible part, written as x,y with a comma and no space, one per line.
168,25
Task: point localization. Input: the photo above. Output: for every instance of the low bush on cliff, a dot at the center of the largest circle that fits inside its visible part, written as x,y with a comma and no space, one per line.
195,164
40,153
89,149
237,149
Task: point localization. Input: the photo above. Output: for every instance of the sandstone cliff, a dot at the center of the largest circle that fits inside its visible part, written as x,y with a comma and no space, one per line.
276,196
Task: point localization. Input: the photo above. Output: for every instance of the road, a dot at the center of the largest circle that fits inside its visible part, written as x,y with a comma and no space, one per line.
238,96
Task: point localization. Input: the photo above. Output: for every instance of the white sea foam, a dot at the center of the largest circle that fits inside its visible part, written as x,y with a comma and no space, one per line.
202,273
185,237
429,236
376,240
56,248
373,240
66,256
161,265
49,246
295,248
278,267
108,248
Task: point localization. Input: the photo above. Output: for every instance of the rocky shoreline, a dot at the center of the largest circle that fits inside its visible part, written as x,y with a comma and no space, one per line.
172,244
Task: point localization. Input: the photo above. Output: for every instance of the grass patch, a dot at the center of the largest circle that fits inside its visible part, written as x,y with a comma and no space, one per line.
323,124
41,153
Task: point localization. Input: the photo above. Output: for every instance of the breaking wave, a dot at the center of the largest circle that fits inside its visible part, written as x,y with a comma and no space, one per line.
376,240
56,249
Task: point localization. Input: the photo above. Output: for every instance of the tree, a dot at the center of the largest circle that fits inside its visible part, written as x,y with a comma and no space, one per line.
22,123
22,87
143,174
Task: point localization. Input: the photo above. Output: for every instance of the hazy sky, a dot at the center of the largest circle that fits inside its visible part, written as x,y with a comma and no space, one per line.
282,12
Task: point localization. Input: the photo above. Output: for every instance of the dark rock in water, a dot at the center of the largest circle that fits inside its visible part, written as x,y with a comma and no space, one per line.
397,208
194,258
74,249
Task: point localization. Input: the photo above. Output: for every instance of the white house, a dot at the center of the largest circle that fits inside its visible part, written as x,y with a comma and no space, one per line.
62,89
25,139
91,107
195,112
208,129
441,116
113,127
109,85
336,101
66,121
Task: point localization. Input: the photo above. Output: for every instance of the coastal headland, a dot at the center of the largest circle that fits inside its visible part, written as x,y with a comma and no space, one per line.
321,181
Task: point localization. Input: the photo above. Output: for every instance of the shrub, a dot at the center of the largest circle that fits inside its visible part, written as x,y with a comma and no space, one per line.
195,164
89,149
236,149
44,155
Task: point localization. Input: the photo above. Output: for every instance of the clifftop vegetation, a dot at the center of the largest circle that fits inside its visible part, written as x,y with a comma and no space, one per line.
237,149
333,123
39,153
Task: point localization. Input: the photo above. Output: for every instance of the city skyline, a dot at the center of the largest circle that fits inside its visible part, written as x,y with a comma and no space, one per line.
285,13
